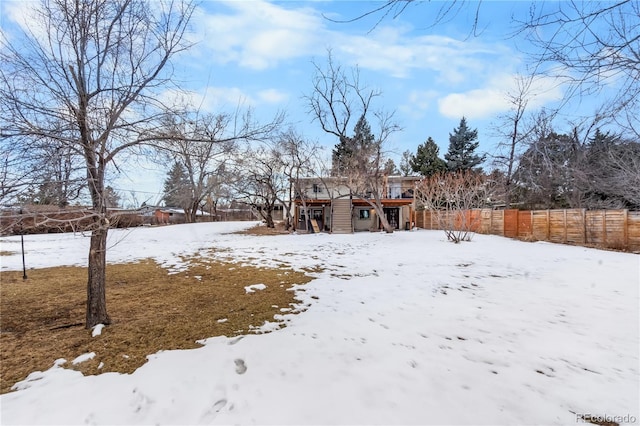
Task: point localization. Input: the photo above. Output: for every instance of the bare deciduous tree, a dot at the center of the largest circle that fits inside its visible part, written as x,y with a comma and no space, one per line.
336,100
201,148
203,143
451,196
514,133
260,182
590,44
16,172
98,67
295,155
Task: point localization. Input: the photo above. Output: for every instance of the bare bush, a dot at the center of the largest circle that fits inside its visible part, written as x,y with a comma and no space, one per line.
451,198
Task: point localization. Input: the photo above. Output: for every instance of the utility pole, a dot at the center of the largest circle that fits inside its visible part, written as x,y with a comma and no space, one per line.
24,265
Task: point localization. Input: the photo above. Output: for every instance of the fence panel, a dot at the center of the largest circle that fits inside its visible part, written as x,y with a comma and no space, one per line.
633,230
484,227
540,224
575,226
557,226
525,224
497,222
595,223
617,229
420,219
510,227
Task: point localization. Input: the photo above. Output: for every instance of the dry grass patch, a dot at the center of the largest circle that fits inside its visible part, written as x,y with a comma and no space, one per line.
42,318
262,229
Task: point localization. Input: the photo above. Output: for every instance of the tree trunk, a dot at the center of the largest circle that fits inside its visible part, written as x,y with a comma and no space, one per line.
192,213
269,219
377,206
96,284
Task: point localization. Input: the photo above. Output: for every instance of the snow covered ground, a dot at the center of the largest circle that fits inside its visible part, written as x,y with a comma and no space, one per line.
405,328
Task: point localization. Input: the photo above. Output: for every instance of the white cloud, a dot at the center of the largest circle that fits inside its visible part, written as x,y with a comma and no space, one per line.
392,51
20,12
272,96
492,99
23,14
219,99
258,34
418,102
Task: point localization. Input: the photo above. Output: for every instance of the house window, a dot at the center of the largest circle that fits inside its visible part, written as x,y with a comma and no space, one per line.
316,188
364,214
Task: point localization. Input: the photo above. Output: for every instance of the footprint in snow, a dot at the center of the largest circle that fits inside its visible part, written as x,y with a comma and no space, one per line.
212,412
236,340
241,368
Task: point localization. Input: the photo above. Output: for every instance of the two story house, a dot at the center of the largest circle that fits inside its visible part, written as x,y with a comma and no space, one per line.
331,207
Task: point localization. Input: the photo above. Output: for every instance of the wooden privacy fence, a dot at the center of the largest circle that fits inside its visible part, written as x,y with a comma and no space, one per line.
618,229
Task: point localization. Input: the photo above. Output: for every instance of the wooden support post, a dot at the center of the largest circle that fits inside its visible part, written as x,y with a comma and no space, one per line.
625,228
565,225
584,226
604,228
548,225
490,222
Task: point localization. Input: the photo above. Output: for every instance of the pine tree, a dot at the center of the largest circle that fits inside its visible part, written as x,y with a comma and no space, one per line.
462,145
390,168
112,198
353,151
176,187
341,156
405,163
426,161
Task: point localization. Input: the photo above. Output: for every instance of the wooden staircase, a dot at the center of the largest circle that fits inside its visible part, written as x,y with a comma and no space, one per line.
341,216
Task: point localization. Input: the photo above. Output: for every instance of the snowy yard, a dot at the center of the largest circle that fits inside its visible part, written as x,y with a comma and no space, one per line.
401,328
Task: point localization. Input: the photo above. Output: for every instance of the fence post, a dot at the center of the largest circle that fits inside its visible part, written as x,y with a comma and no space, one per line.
490,222
548,225
625,228
584,226
565,225
604,228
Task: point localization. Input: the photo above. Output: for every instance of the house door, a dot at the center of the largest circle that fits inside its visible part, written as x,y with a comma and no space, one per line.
317,214
393,216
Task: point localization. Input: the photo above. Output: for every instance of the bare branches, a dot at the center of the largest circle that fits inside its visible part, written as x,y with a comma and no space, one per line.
392,9
338,98
97,67
451,198
593,45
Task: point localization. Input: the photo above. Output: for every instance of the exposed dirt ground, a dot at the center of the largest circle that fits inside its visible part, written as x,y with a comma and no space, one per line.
262,229
42,318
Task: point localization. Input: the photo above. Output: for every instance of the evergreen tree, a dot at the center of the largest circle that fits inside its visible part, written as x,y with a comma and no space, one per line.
462,145
354,151
341,156
112,198
390,168
426,161
176,187
405,163
545,171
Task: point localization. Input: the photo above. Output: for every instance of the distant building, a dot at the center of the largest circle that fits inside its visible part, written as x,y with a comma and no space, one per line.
333,208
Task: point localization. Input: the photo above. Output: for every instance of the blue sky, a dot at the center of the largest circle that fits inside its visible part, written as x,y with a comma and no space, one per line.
261,53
